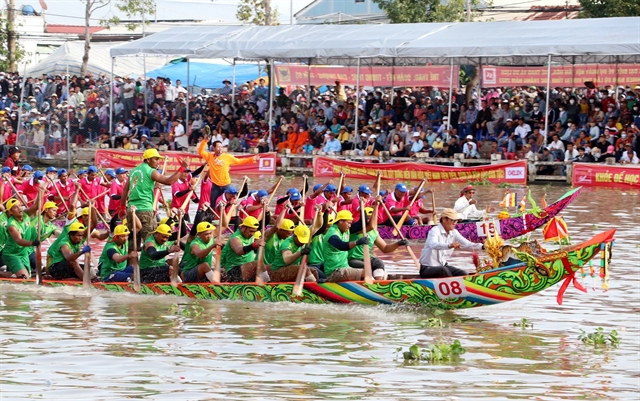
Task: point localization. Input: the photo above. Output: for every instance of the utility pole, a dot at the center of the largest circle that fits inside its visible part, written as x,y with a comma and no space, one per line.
468,19
267,12
11,33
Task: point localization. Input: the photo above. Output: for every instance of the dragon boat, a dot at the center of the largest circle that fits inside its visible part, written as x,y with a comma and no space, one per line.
537,271
477,231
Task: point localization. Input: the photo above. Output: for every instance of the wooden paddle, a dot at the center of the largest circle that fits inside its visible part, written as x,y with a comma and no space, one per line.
217,269
378,183
244,189
413,256
134,262
305,185
59,193
156,191
271,197
302,270
261,268
86,276
433,206
93,199
38,248
406,213
368,274
18,195
175,264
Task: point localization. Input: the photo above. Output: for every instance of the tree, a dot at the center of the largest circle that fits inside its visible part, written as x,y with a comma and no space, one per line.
609,8
412,11
134,10
253,12
91,6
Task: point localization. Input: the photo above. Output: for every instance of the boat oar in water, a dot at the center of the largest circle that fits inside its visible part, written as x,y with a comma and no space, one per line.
260,268
368,274
86,273
302,270
134,261
216,270
39,248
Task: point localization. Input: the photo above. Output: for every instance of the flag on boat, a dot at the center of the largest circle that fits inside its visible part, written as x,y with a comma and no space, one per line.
555,230
510,200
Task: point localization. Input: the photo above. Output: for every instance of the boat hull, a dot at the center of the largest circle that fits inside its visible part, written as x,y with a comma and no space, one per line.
488,288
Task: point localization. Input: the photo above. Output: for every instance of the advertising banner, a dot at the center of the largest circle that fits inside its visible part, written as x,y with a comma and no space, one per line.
107,158
563,76
603,175
369,76
512,172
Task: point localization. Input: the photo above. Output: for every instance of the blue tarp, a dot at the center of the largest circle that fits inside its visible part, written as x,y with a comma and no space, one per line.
206,75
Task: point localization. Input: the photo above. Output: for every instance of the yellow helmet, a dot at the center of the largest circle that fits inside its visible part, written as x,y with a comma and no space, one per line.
302,233
257,235
150,153
164,229
76,226
165,220
287,225
49,205
368,211
251,222
204,226
85,212
344,215
11,203
121,230
331,220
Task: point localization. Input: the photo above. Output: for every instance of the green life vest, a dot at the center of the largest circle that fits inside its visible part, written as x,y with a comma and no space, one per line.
316,257
24,228
272,248
288,244
357,252
56,256
141,187
190,260
54,250
108,265
4,219
46,229
230,259
145,260
333,257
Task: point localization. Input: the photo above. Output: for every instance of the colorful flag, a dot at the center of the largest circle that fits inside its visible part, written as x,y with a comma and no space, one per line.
555,230
509,200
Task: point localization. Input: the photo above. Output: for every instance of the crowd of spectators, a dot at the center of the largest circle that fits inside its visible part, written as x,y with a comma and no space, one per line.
584,124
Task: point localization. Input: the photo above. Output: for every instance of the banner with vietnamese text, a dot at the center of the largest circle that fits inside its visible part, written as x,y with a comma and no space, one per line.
604,175
512,172
369,76
561,75
107,158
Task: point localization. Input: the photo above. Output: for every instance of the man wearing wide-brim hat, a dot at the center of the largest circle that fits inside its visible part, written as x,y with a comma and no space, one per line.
441,242
226,90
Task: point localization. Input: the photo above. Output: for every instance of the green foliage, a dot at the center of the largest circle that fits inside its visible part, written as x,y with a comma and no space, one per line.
253,12
609,8
523,324
412,11
599,338
134,10
4,46
435,353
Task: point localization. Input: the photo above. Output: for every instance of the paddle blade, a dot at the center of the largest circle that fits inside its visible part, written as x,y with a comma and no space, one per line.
306,187
244,190
299,285
86,276
368,274
38,265
174,270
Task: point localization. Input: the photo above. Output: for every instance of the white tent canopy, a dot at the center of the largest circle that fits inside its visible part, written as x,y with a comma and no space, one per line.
70,54
531,42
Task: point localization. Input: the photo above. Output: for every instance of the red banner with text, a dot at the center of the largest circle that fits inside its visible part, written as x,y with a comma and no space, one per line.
604,175
369,76
128,159
512,172
562,75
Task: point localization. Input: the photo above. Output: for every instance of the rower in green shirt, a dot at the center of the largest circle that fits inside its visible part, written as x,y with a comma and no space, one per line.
239,253
139,191
197,260
47,228
286,264
154,267
115,260
20,239
336,246
62,256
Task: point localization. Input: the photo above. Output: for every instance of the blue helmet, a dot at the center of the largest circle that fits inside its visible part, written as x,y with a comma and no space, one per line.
110,173
27,167
383,192
231,190
262,193
121,170
92,169
295,196
291,190
38,175
331,188
317,187
347,189
364,189
62,171
6,170
82,172
401,187
51,170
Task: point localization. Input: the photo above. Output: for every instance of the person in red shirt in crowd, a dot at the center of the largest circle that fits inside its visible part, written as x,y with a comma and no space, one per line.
345,199
93,186
227,199
159,89
181,189
364,192
67,188
115,190
12,160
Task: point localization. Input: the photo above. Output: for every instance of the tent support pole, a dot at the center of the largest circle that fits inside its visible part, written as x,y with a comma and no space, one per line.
186,120
616,88
355,131
448,128
271,96
233,84
546,118
573,73
393,75
113,60
69,123
309,84
478,92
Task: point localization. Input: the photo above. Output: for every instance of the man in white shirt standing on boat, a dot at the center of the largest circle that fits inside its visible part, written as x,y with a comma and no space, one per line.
466,205
441,242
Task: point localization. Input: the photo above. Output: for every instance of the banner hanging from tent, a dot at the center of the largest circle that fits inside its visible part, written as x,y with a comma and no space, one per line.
563,76
512,172
128,159
369,76
604,175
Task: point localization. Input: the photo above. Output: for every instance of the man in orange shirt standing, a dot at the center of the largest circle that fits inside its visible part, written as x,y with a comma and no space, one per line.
219,164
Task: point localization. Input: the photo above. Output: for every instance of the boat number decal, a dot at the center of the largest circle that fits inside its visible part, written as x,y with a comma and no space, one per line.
452,287
487,226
